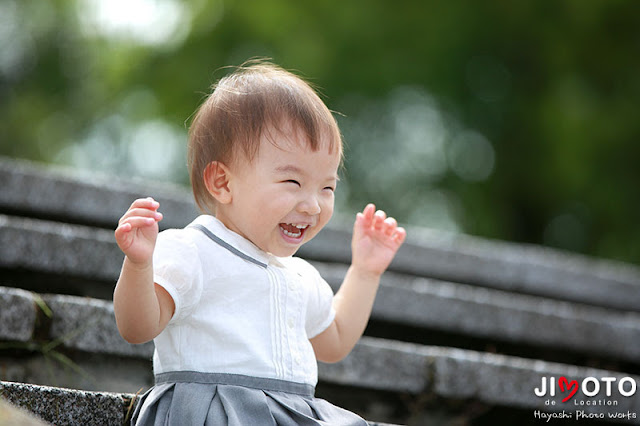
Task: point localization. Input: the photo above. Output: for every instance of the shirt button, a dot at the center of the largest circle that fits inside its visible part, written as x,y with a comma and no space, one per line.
297,359
290,322
292,286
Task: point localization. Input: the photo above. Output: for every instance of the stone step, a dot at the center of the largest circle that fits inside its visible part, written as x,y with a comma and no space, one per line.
519,268
460,309
46,192
500,316
495,380
87,326
67,195
418,370
56,236
71,407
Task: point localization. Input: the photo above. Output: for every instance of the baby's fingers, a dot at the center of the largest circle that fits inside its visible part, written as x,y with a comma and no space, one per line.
122,229
394,232
399,235
127,225
378,220
123,235
145,203
367,215
389,226
136,222
141,212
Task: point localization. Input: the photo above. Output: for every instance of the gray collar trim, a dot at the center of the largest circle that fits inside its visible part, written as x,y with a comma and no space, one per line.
226,245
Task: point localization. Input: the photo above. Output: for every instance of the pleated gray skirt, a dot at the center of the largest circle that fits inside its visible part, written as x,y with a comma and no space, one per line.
193,398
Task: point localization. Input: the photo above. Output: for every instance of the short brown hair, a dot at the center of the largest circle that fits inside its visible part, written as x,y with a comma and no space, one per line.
258,94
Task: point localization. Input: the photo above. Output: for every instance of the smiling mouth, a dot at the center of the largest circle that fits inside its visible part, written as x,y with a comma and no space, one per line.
293,230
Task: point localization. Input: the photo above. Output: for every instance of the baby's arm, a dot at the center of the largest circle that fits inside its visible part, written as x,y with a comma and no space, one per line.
376,239
142,308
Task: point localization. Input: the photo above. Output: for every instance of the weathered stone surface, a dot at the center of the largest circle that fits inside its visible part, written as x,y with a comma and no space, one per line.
428,253
433,304
17,314
500,315
79,370
89,325
468,375
445,372
380,364
501,265
46,191
453,307
67,407
374,363
51,247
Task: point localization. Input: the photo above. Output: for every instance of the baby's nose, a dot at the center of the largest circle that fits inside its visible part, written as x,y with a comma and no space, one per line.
310,205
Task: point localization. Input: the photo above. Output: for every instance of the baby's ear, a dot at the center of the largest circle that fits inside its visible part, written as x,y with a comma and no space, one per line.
216,179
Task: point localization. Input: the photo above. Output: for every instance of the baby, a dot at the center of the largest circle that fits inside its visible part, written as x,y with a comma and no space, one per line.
238,322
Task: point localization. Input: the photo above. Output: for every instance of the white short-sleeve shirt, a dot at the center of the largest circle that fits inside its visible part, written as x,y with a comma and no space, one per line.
238,310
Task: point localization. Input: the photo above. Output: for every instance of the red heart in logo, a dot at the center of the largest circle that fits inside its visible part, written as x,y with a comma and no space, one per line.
566,385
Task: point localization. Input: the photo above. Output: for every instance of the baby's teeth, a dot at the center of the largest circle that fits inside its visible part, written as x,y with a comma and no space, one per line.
298,226
291,234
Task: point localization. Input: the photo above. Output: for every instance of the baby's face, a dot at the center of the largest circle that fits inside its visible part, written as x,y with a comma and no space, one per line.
284,197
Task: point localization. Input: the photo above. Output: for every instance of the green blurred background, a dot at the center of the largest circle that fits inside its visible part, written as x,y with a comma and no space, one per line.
509,120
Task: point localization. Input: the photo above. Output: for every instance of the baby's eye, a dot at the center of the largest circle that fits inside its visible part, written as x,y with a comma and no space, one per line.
330,188
295,182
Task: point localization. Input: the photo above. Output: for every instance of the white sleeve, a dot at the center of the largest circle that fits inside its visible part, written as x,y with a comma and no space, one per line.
320,311
177,268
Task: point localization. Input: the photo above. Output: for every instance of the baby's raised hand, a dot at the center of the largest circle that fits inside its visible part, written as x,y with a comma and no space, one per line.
138,229
376,239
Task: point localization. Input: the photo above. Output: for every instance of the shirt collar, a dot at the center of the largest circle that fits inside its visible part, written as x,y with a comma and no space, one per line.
235,240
